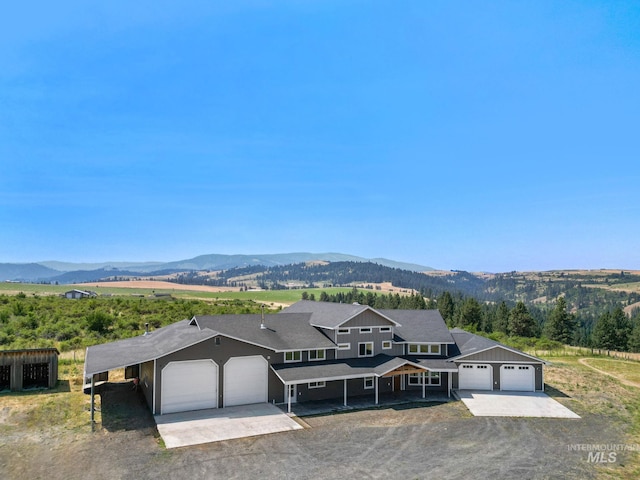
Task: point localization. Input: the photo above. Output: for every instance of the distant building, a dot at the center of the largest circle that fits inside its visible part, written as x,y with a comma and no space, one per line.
75,294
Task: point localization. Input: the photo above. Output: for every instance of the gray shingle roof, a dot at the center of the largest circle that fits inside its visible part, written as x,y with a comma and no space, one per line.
468,343
328,314
132,351
419,326
285,331
352,368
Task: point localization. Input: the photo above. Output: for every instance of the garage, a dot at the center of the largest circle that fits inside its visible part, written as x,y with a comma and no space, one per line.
474,377
517,378
245,380
189,385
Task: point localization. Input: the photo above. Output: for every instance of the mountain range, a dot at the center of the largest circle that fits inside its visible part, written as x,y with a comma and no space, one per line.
66,272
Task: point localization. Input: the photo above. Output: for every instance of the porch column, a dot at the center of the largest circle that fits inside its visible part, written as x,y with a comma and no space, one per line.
93,383
449,377
423,384
345,392
377,378
288,398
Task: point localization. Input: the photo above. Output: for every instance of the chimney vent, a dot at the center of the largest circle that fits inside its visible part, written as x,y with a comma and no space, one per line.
262,325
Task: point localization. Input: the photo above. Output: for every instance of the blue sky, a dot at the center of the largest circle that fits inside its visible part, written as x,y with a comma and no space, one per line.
461,135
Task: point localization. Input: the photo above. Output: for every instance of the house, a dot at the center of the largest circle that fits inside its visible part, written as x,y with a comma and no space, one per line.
28,368
310,351
75,294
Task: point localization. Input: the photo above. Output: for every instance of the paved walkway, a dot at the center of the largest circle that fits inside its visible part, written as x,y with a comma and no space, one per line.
513,404
217,424
365,402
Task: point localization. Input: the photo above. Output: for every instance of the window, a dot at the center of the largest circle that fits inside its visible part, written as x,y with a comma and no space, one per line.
316,355
365,349
385,329
430,378
418,349
317,384
293,356
343,331
386,345
368,382
365,330
344,346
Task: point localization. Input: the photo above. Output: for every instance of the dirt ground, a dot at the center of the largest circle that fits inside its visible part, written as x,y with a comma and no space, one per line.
439,441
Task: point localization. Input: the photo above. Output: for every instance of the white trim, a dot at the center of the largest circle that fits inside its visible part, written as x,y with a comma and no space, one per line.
419,348
388,342
384,329
334,327
338,332
342,347
155,385
320,384
372,349
499,362
371,379
365,329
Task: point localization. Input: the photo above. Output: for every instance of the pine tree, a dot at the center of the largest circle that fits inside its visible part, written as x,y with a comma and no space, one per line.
560,325
501,323
521,323
470,314
604,332
446,307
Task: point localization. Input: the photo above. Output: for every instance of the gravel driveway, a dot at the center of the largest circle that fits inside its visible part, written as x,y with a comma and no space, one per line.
409,441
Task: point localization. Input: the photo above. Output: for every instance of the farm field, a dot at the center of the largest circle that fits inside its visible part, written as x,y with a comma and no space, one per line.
146,288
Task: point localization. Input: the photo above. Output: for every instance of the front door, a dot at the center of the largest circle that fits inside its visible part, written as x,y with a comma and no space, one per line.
396,383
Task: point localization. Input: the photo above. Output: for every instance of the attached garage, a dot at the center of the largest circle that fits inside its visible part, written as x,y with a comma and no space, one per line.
517,378
189,385
245,380
473,376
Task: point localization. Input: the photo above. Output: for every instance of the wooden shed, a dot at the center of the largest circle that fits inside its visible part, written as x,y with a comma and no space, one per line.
29,368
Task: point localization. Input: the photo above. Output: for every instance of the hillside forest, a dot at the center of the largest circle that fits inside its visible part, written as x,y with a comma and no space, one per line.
592,309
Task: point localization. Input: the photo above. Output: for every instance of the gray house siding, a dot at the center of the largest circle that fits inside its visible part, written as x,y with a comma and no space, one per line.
354,338
367,319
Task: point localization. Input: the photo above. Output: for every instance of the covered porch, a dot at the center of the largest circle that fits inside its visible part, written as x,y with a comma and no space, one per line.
364,379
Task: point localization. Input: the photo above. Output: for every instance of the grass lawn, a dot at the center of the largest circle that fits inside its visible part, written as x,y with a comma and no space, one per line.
626,370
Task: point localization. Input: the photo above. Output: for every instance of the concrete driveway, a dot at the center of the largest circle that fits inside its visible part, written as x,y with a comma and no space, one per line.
214,425
513,404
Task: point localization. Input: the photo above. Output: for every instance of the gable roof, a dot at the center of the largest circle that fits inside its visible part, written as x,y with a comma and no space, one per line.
419,326
468,344
332,315
283,332
143,348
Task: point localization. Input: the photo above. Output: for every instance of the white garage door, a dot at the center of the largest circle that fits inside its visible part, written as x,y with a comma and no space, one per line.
474,377
189,385
517,377
245,380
